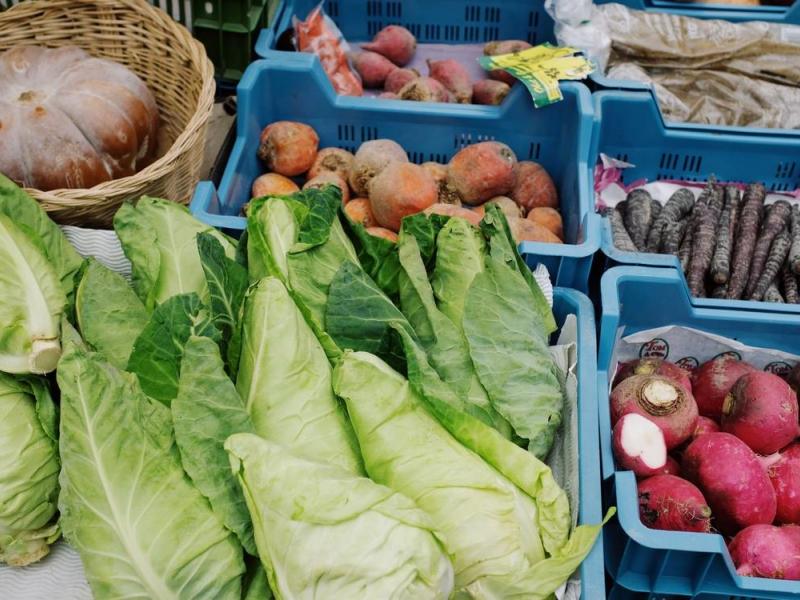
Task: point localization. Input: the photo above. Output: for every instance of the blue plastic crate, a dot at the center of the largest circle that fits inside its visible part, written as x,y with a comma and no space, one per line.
566,302
296,88
669,562
789,15
628,126
439,22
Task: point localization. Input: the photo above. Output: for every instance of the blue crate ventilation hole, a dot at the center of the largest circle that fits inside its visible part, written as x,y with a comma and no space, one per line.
442,21
649,563
296,88
628,126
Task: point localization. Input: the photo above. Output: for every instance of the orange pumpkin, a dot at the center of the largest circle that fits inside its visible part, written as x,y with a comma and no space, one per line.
68,120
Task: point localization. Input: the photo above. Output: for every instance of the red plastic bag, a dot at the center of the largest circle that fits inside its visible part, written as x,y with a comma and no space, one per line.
318,34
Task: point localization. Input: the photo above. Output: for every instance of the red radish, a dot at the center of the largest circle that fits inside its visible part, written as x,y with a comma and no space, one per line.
401,189
372,157
712,381
288,148
452,75
673,504
504,47
705,425
667,403
793,532
732,479
395,43
766,551
673,467
334,160
424,89
785,477
533,186
482,171
327,178
761,410
373,68
398,78
653,366
489,92
639,445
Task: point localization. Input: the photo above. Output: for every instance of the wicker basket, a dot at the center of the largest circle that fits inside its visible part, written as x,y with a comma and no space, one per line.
172,64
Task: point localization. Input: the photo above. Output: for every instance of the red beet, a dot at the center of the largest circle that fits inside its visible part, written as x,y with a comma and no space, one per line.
424,89
373,68
667,403
761,410
785,477
395,43
639,445
653,366
705,425
398,78
489,92
732,479
712,381
504,47
766,551
452,75
674,504
482,171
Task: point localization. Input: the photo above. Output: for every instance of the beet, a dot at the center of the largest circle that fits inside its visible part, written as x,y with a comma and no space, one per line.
359,210
451,210
272,184
399,190
732,479
288,148
334,160
327,178
712,381
372,157
489,92
705,425
761,410
373,68
395,43
670,503
785,477
398,78
667,403
507,205
382,232
389,96
533,186
639,445
653,366
549,218
453,76
504,47
424,89
482,171
766,551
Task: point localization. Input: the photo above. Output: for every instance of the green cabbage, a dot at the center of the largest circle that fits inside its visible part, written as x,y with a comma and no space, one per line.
159,237
28,469
31,304
284,380
497,507
323,532
140,526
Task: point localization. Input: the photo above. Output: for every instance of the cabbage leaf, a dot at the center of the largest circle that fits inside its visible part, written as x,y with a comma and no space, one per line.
140,526
323,532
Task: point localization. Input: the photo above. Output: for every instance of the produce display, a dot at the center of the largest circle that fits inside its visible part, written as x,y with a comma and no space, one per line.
379,186
311,410
730,243
68,120
715,450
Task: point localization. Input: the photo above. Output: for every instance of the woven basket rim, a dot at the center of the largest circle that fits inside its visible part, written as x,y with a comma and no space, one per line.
202,113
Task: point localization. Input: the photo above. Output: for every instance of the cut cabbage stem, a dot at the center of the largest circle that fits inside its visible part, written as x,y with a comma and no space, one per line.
44,355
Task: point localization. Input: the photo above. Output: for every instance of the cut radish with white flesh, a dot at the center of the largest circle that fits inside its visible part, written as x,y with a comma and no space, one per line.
639,445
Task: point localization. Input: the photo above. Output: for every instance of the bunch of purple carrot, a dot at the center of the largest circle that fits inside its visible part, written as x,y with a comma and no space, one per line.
730,243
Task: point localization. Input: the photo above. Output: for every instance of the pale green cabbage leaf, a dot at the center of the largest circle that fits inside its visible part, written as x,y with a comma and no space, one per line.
140,526
284,380
28,469
323,532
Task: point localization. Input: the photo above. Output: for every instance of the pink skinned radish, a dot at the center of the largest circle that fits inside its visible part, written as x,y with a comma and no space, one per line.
784,473
705,425
653,366
712,381
671,503
766,551
639,445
